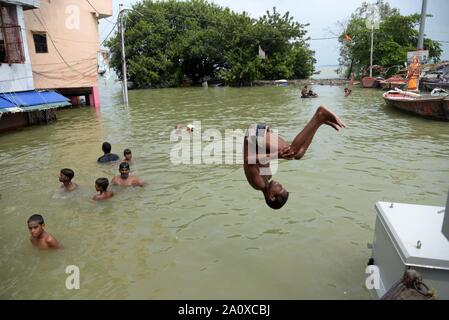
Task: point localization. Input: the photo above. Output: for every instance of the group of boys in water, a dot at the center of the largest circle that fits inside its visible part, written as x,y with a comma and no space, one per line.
36,225
261,145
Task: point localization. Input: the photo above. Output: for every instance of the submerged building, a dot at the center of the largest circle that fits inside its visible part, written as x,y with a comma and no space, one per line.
48,57
64,45
20,104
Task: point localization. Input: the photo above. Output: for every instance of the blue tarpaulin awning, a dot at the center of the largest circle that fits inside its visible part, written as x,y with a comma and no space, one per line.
26,101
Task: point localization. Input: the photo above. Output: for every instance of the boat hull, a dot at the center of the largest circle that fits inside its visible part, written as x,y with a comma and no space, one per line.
429,107
393,83
429,86
368,82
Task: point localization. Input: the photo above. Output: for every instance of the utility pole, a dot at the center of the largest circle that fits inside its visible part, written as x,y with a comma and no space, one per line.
372,49
124,72
422,25
372,21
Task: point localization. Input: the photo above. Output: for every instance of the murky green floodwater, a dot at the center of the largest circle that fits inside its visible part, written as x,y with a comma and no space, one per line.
200,232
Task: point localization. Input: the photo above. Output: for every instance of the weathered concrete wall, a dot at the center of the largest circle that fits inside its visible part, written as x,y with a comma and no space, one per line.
11,121
18,76
72,40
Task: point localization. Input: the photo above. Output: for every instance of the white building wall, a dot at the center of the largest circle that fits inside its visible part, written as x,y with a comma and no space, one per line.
18,76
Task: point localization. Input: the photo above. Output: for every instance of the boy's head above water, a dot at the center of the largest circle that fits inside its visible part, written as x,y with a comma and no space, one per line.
124,170
101,184
106,147
128,155
36,225
66,175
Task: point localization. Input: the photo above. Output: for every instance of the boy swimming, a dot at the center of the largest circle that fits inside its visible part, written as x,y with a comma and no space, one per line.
128,156
39,237
107,156
124,179
66,176
101,186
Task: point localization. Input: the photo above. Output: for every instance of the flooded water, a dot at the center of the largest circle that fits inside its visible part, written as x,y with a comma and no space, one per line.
327,72
200,231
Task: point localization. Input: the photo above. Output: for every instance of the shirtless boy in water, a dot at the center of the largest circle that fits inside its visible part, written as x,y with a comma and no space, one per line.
65,177
259,136
128,156
124,179
101,186
39,237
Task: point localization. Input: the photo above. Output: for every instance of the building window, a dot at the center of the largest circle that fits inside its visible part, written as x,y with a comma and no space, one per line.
11,47
40,42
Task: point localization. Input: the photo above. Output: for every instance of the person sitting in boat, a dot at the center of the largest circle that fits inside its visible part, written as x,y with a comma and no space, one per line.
308,93
304,92
312,94
261,145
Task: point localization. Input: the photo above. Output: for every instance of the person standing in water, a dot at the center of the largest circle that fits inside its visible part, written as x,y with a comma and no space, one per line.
108,156
124,179
66,176
39,237
101,186
128,156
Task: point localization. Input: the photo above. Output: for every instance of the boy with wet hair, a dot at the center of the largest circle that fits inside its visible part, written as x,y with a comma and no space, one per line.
39,237
65,176
125,179
101,186
128,156
108,156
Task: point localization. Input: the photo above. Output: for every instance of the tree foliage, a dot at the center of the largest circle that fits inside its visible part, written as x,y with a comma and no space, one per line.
171,41
397,34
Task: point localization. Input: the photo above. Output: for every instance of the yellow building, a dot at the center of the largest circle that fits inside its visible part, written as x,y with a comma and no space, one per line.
63,42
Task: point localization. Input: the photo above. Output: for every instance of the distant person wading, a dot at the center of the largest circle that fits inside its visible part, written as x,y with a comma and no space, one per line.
108,156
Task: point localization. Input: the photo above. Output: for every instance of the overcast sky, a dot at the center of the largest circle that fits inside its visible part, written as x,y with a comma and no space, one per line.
323,16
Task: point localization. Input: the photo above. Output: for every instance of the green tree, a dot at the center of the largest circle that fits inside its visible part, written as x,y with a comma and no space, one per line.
173,41
396,36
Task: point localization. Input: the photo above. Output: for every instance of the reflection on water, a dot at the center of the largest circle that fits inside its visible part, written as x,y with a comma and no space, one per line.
200,231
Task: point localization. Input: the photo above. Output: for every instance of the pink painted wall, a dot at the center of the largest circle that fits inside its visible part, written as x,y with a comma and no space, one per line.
72,39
